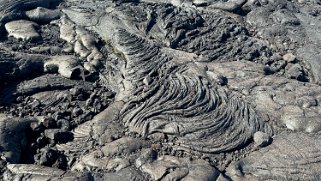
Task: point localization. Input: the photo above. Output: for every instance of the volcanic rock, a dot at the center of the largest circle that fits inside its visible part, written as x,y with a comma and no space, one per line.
23,29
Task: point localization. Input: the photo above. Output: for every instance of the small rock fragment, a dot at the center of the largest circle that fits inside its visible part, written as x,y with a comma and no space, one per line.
147,80
76,91
49,123
289,57
219,79
296,72
35,104
77,111
261,139
222,80
68,49
63,124
37,127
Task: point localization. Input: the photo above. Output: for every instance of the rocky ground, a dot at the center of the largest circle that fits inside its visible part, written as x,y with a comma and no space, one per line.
150,90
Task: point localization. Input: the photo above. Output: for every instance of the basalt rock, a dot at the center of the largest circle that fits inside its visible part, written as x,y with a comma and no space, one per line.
13,137
12,10
181,101
160,90
213,34
67,66
183,169
42,15
292,27
36,172
292,156
22,29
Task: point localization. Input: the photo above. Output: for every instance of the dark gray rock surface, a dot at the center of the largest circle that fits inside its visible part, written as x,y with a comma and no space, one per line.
160,90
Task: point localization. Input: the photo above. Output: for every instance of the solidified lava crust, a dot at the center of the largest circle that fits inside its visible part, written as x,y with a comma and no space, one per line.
160,90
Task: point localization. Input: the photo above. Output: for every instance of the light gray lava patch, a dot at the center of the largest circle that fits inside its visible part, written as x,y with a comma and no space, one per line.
23,29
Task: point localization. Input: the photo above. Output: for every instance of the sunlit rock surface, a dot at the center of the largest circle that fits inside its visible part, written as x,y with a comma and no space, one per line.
160,90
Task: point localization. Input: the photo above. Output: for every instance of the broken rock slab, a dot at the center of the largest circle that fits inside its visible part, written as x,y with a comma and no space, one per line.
23,29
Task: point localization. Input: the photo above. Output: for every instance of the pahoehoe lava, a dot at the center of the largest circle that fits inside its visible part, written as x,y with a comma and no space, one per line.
181,103
150,90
